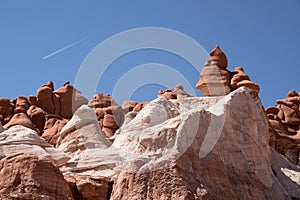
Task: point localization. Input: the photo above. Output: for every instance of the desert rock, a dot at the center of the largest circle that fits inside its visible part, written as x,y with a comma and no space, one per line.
70,100
20,139
6,110
20,119
25,176
215,78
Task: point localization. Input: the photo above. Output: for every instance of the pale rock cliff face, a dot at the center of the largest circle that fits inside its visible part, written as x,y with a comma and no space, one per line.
173,156
20,139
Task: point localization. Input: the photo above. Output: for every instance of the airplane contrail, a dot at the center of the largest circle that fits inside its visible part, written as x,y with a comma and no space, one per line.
64,48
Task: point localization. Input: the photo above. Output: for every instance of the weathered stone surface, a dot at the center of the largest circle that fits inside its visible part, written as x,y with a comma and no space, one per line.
22,105
20,119
89,188
169,153
240,79
19,139
215,78
25,176
6,110
110,115
37,116
139,106
53,126
128,106
219,57
70,100
168,93
284,119
101,101
44,98
82,132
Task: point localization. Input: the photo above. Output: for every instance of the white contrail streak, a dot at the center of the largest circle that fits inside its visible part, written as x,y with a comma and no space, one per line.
64,48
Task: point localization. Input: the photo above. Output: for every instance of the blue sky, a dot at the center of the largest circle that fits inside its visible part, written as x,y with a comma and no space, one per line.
261,36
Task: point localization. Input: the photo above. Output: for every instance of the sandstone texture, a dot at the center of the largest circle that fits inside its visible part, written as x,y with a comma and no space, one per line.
284,119
216,80
59,145
26,176
200,148
110,114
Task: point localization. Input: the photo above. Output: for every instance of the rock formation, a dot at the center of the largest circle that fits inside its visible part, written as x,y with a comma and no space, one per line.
240,79
57,145
189,167
110,114
25,176
6,110
284,119
215,78
20,139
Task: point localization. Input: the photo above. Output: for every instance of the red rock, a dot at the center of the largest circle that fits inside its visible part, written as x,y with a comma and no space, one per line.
169,94
238,75
20,119
89,188
6,110
109,132
26,176
100,113
218,57
70,100
22,105
284,119
139,106
109,121
44,98
53,126
32,100
37,116
101,101
128,106
215,78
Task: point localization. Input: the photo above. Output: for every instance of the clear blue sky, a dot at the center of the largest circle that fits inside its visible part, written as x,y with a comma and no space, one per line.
261,36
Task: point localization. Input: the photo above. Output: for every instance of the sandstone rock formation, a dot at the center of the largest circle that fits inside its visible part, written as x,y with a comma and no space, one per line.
110,114
168,93
284,119
70,100
25,176
183,148
6,110
240,79
128,106
215,78
172,156
20,139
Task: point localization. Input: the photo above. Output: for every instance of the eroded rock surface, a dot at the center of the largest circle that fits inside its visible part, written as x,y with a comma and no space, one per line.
215,78
26,176
172,157
284,119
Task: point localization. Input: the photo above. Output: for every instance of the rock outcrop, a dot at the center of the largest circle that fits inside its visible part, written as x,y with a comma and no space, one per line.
110,114
214,148
284,119
215,78
20,139
240,79
25,176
